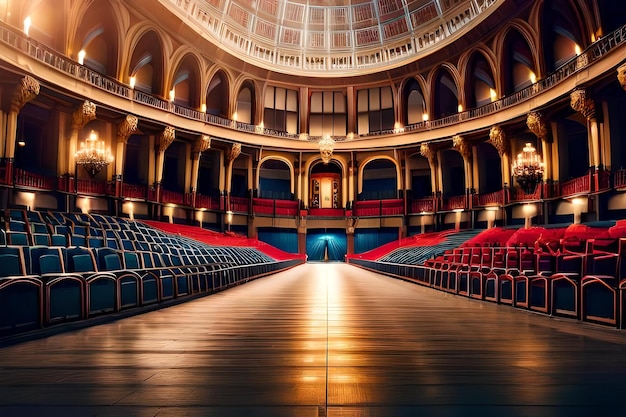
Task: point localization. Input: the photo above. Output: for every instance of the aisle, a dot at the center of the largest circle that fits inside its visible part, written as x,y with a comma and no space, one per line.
321,339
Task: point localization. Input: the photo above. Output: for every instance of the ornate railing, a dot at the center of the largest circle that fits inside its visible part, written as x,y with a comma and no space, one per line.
172,197
239,204
16,39
458,202
619,178
495,198
209,202
423,205
29,179
580,185
91,186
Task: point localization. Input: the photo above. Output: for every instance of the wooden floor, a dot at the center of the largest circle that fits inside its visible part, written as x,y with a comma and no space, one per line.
321,340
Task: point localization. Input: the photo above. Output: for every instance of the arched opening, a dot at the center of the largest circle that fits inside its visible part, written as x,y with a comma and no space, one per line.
325,186
453,173
174,167
518,63
480,84
446,95
97,37
209,174
573,149
489,169
414,103
217,96
421,181
561,34
136,165
186,83
245,104
35,142
146,65
380,181
275,180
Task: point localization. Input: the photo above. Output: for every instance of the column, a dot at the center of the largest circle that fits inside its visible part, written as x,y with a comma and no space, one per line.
498,139
26,90
124,130
234,152
164,140
427,151
582,103
202,144
463,147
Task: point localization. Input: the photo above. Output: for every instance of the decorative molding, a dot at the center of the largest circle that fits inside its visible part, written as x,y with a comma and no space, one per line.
583,104
537,124
462,146
498,139
621,75
83,115
27,89
235,151
126,128
166,138
202,144
427,151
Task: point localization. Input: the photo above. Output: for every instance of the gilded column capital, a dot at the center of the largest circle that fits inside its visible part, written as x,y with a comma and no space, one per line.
537,124
166,138
26,90
462,146
427,151
621,75
235,151
83,115
126,128
582,103
498,139
201,144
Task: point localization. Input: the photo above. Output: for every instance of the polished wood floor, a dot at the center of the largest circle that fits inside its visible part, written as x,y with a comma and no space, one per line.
321,340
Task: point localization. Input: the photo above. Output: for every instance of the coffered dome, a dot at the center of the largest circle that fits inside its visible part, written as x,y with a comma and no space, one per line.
331,37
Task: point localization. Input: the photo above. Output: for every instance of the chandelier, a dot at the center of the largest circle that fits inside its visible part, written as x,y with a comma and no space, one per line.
327,146
92,155
528,169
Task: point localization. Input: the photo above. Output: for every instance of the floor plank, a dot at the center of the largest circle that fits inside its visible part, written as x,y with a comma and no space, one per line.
321,339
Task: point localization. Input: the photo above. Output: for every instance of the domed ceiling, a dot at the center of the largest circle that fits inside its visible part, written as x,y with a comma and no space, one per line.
332,37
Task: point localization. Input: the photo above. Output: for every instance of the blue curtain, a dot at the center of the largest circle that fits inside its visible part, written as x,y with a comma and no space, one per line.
326,242
283,239
378,189
275,189
368,239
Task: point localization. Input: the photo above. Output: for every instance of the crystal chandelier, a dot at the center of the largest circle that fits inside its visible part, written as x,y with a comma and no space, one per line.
327,146
92,155
528,169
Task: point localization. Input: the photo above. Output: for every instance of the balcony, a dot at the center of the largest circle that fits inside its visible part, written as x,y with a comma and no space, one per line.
274,208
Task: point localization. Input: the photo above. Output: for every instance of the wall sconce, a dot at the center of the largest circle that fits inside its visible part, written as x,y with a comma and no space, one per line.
460,108
132,81
81,56
203,108
533,77
27,23
425,117
229,219
172,95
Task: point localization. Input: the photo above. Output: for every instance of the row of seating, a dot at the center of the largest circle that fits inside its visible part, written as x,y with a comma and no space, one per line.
585,280
43,285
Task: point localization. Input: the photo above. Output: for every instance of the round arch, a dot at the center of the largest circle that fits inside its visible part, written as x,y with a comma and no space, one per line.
257,180
366,161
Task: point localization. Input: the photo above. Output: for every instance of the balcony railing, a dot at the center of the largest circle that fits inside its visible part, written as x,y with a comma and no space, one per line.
495,198
423,205
264,206
239,204
209,202
391,207
16,39
33,180
575,186
172,197
458,202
